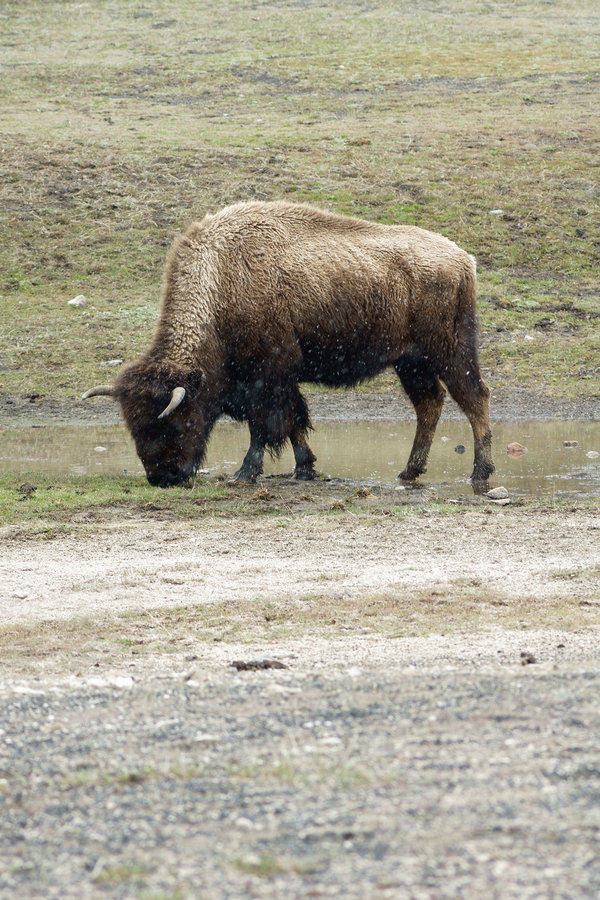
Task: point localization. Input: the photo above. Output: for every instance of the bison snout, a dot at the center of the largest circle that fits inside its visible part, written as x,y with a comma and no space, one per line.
168,478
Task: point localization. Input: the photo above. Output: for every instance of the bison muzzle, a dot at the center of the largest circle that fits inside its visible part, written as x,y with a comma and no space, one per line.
262,296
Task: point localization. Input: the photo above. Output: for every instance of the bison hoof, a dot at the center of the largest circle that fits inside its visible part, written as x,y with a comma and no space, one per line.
410,474
243,476
482,473
304,474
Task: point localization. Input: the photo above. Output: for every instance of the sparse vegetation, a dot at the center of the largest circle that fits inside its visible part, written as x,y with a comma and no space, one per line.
389,615
471,121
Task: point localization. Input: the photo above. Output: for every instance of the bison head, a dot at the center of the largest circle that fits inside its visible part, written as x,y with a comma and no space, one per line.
164,409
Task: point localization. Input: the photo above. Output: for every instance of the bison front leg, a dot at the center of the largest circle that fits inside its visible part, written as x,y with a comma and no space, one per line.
252,465
305,458
427,396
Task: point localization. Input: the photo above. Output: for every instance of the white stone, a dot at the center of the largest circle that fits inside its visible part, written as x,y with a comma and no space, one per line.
497,493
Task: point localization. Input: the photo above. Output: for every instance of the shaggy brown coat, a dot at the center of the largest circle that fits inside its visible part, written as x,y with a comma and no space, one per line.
261,296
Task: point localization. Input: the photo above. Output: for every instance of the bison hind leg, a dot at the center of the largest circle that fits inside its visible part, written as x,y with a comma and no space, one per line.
472,394
426,394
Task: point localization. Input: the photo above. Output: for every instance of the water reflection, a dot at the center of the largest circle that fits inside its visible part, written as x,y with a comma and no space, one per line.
366,451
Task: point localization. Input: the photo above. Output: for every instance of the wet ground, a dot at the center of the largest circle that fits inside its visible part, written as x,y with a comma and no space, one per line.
562,458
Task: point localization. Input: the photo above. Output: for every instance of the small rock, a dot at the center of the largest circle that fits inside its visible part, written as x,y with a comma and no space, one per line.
570,443
497,493
503,502
79,301
112,363
460,448
527,659
100,449
515,449
592,454
496,212
253,665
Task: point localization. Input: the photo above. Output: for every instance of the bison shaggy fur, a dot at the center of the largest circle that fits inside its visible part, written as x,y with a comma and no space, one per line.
260,297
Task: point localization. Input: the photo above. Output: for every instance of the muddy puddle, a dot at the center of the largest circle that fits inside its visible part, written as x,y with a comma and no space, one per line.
560,456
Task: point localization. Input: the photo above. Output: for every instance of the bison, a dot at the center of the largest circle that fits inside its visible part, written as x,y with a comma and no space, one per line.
261,296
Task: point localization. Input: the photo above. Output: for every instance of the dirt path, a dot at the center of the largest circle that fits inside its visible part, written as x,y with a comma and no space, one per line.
520,554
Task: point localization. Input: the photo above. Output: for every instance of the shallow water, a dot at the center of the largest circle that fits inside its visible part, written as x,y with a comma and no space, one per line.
365,451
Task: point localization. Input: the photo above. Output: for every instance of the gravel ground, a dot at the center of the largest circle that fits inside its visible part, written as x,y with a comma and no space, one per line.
412,768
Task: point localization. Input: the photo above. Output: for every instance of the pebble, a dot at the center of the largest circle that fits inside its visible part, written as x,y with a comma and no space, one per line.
497,493
570,443
112,362
516,449
592,454
79,301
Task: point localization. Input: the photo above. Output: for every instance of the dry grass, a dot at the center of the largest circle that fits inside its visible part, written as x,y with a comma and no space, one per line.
77,645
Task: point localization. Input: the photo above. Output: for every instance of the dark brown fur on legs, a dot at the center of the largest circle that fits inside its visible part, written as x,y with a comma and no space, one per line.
252,465
305,458
463,379
427,396
473,398
288,418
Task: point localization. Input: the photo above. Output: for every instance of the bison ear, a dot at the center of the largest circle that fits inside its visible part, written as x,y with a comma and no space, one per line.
176,399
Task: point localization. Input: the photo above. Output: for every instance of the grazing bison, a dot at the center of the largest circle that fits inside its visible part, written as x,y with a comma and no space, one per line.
261,296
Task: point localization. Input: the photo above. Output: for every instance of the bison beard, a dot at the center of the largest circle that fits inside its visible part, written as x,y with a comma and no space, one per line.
262,296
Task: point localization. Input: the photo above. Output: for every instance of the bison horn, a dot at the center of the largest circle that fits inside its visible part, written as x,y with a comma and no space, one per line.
176,398
101,390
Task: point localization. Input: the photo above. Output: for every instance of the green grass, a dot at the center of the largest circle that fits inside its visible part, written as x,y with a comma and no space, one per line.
50,504
120,123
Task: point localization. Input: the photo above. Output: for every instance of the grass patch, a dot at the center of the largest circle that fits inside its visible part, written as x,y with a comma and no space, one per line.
53,504
40,505
467,122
